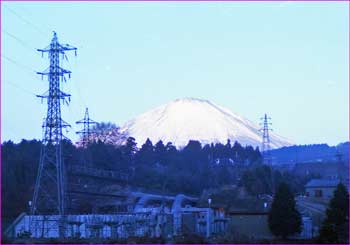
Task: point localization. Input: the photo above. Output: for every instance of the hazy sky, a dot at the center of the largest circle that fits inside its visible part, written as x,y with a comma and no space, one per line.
289,60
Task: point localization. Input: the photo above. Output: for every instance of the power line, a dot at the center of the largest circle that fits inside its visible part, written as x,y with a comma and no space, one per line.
18,64
81,99
19,87
23,43
31,71
29,15
26,21
81,102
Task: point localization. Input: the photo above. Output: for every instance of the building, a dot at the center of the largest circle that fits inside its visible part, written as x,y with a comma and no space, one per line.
321,188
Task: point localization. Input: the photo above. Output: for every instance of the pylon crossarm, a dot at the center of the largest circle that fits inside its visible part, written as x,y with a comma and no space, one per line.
49,193
58,94
58,48
58,71
89,121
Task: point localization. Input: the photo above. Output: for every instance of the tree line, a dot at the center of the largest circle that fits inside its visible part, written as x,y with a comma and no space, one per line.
158,166
188,170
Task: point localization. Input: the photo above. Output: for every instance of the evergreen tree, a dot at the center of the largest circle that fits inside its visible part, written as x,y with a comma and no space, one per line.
146,154
189,170
227,152
208,153
171,155
284,219
101,155
19,169
219,151
258,180
160,152
192,156
223,175
335,226
129,149
238,152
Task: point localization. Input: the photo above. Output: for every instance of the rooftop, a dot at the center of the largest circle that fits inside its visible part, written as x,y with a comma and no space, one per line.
323,183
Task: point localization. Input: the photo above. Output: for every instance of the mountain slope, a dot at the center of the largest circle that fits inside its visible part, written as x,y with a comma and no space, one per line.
194,119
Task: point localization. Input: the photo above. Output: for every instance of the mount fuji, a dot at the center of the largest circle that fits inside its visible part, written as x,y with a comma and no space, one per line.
187,119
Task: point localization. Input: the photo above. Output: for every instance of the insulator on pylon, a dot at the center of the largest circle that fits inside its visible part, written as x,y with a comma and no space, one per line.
49,192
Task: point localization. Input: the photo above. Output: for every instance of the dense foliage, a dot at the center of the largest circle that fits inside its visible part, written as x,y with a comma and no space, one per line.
191,169
152,167
335,227
19,170
262,179
284,219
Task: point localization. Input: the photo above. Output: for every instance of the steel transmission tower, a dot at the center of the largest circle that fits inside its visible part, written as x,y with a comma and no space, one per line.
86,137
49,193
265,147
87,131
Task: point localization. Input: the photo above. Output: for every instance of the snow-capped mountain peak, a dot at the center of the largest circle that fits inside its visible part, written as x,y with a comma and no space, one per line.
187,119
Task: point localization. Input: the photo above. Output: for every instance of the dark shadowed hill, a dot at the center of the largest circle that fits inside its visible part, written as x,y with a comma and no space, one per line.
310,153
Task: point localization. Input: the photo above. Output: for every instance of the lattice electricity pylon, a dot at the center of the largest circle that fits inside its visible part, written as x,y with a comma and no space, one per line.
265,146
87,131
49,193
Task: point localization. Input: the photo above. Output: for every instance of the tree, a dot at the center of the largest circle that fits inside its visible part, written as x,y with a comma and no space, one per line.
146,154
129,149
108,133
19,169
335,226
284,219
192,156
258,180
160,152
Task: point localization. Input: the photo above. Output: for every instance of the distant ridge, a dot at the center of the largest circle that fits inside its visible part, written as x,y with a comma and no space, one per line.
311,153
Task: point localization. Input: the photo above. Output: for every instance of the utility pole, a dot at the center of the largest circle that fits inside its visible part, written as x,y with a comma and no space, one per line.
85,135
265,147
49,193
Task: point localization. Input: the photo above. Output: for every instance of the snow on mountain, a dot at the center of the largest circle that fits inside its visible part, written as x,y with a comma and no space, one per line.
195,119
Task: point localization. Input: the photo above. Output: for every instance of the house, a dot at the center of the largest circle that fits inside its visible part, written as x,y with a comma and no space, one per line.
321,188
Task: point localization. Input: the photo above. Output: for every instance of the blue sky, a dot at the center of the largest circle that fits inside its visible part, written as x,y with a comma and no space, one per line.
287,59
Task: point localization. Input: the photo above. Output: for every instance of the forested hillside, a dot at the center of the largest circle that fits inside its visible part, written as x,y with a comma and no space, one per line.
159,167
309,153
